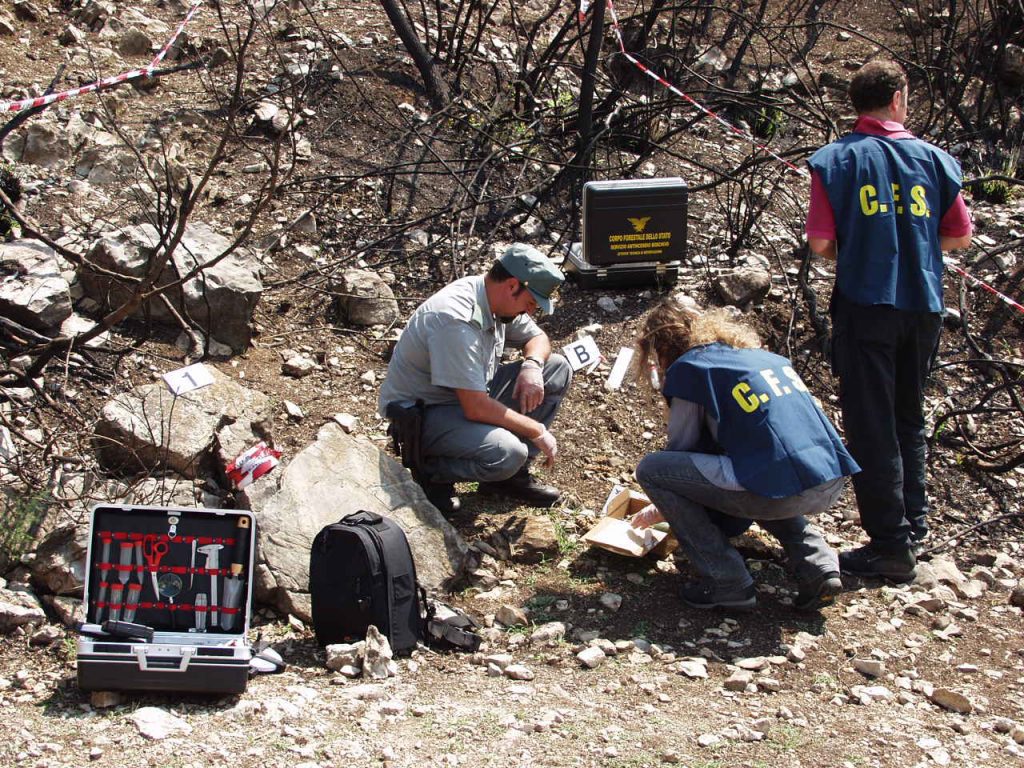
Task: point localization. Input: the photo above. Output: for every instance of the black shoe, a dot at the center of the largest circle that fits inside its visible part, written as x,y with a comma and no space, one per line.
818,592
442,496
526,488
865,561
706,595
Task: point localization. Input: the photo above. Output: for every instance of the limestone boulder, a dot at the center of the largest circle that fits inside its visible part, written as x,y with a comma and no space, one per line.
219,299
365,299
337,475
32,290
148,428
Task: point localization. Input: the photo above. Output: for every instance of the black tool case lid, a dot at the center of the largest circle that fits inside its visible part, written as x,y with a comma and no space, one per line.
634,220
147,552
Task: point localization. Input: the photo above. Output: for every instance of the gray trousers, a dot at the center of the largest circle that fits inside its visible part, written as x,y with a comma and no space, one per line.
456,449
680,492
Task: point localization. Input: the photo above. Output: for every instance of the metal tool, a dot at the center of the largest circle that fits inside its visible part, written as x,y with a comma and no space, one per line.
192,567
104,571
212,552
233,583
201,602
170,586
131,602
154,550
138,557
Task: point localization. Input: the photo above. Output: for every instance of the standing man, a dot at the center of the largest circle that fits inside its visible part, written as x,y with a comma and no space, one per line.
885,205
483,421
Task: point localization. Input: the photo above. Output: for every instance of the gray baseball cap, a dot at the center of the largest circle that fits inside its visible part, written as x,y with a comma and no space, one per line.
535,271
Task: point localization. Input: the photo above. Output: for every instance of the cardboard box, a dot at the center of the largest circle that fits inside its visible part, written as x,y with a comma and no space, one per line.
614,533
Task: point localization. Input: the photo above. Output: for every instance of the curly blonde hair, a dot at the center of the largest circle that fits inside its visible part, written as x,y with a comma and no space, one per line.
670,329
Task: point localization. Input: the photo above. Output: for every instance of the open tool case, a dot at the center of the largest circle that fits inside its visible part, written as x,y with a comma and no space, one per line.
167,597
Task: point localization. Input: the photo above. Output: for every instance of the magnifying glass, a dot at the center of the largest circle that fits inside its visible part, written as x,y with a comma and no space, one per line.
169,585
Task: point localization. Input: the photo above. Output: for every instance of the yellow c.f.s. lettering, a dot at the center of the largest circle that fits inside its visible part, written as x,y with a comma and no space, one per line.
747,401
919,206
868,200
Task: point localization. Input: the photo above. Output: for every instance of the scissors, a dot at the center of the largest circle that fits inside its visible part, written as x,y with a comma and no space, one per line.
154,550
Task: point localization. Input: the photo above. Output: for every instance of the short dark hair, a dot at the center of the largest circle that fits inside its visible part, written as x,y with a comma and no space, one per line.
874,84
499,274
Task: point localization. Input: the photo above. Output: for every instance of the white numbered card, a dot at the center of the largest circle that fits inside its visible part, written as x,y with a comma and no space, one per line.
582,353
188,378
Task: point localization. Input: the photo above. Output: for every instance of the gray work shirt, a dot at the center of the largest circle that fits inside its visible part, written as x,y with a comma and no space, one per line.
452,341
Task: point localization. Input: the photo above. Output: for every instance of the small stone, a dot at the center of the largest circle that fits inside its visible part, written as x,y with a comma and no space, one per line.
693,667
95,753
869,667
519,672
611,601
708,739
591,657
796,654
1017,597
548,634
346,421
738,680
951,700
512,616
754,663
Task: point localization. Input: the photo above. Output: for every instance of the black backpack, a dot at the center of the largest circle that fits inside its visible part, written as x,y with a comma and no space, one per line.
361,572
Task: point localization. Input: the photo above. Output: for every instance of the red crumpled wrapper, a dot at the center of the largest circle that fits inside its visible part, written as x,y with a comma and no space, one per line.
252,465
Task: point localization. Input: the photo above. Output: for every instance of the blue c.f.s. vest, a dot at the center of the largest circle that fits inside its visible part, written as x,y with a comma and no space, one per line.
888,197
778,439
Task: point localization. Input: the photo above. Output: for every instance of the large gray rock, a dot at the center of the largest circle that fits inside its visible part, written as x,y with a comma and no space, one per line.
19,608
743,286
147,428
336,475
58,565
366,299
219,301
41,144
32,290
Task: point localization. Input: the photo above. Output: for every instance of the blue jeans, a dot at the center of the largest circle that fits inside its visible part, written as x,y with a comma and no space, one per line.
456,449
678,489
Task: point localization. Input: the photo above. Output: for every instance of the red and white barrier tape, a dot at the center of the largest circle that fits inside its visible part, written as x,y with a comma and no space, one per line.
685,97
50,98
972,280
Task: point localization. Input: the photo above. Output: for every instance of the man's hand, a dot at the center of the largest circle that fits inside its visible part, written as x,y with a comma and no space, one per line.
529,389
647,517
547,444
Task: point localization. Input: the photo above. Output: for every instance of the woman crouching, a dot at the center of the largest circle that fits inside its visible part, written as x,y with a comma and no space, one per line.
746,442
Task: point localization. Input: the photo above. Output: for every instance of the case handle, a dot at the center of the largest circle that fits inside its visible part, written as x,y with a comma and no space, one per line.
144,661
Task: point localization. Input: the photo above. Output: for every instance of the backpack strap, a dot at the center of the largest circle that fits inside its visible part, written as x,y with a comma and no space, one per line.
455,631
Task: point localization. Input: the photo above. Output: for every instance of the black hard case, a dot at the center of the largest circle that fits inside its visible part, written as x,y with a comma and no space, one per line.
179,657
634,220
619,275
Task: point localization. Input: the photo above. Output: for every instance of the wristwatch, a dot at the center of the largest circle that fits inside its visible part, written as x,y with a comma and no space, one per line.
534,358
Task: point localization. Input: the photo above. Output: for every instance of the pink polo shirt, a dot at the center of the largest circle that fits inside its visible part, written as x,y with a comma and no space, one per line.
820,219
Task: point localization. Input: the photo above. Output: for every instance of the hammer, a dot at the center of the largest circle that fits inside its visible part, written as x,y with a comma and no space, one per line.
212,552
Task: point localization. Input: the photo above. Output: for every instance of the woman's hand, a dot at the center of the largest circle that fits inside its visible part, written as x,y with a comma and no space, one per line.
647,517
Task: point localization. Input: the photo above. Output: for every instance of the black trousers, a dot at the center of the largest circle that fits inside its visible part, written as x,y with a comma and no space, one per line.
882,356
